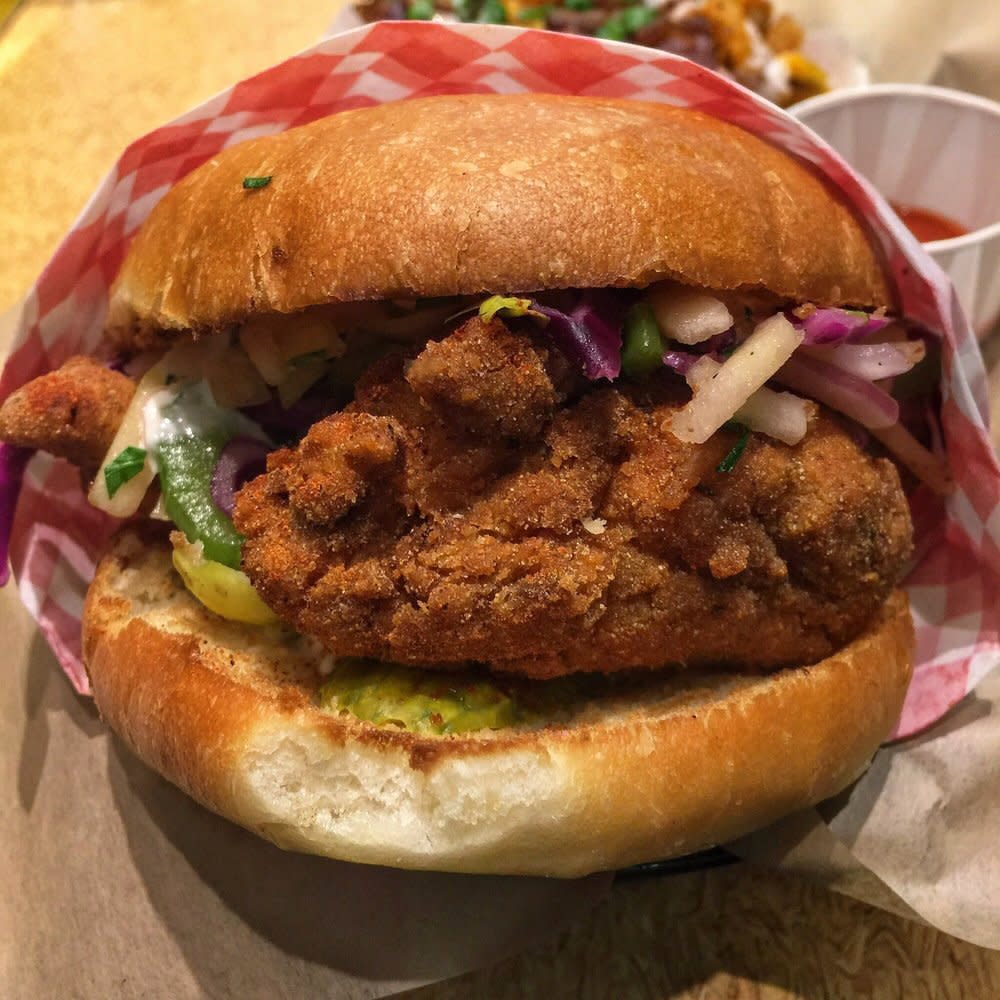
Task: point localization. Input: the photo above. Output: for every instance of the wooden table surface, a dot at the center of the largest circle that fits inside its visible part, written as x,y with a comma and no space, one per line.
78,80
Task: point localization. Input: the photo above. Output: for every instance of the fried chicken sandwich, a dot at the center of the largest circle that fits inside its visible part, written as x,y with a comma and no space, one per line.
511,484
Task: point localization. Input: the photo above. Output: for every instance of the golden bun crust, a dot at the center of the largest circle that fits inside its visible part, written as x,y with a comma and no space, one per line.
228,714
467,194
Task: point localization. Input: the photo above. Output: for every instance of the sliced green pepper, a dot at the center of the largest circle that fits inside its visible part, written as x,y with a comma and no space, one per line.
186,465
643,349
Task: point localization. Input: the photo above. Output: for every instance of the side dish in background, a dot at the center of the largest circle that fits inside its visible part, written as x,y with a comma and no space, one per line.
745,39
935,150
927,226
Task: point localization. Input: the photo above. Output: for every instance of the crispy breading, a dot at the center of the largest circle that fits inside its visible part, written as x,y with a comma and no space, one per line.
72,412
499,383
598,543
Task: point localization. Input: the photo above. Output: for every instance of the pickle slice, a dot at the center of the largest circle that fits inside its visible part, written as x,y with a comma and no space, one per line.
226,591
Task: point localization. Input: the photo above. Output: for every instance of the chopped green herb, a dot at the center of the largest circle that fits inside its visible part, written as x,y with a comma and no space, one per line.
509,306
419,10
252,183
534,13
123,467
309,358
492,12
734,453
643,349
578,4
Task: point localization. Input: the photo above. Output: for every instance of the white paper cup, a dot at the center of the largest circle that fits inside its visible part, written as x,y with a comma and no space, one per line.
935,149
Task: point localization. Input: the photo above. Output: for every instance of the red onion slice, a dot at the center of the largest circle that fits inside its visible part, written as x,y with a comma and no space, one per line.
871,361
856,398
241,460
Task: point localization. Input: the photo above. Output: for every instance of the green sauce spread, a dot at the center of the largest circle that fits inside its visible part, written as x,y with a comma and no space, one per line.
418,700
472,699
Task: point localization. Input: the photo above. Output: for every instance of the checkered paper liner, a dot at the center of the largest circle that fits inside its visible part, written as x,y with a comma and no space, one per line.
57,537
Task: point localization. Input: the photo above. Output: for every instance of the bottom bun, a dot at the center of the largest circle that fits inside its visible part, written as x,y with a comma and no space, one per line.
229,713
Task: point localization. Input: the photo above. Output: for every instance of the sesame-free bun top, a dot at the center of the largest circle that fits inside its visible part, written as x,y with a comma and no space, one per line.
472,194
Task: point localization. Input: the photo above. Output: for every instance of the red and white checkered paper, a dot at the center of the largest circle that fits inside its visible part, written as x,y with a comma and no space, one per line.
57,537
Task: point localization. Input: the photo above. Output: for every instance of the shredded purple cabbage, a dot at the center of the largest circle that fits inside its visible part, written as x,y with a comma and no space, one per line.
857,398
680,361
590,334
721,344
835,326
12,465
241,460
281,422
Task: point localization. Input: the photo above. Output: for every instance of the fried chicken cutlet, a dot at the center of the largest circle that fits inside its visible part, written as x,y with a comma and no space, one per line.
72,412
474,504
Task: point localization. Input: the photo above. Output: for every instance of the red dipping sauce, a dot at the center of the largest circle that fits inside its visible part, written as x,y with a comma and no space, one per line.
927,226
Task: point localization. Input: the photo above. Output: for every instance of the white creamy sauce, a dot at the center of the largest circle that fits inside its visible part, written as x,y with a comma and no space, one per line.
190,411
152,419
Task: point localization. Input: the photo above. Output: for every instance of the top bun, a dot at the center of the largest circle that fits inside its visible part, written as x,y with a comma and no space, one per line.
469,194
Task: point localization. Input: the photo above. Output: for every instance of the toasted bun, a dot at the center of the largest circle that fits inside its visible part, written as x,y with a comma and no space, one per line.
228,713
467,194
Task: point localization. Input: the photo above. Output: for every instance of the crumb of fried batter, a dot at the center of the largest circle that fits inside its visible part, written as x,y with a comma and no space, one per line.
73,412
470,543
